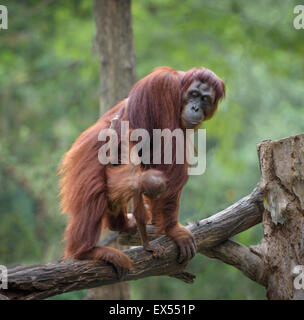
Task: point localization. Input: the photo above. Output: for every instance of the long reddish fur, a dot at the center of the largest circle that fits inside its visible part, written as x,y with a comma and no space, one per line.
153,103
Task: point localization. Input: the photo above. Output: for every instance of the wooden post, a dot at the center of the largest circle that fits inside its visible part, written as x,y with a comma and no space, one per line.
282,248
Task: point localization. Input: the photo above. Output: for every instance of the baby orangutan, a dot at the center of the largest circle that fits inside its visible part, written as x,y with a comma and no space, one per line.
126,182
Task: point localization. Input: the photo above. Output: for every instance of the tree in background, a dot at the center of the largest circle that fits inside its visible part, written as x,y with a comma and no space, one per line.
114,41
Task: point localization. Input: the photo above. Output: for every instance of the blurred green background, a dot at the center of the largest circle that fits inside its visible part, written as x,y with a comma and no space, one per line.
49,93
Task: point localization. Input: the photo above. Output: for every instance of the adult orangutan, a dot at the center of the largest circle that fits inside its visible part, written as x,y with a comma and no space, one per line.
166,98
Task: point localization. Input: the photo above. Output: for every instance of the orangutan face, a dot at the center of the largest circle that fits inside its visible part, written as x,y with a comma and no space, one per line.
198,104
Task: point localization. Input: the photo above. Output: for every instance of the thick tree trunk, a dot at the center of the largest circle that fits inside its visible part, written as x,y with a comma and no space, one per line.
282,168
114,41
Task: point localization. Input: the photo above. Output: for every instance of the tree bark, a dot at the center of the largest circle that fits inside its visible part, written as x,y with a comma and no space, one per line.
282,248
114,41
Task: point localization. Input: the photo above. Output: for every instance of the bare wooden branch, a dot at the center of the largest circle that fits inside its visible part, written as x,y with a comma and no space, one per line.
209,232
184,276
42,281
241,257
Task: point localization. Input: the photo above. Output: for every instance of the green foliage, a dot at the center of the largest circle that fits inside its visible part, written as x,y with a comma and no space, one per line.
17,240
50,90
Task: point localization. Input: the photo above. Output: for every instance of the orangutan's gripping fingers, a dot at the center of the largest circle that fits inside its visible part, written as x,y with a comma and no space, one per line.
193,250
158,250
187,248
121,266
192,238
121,271
116,258
182,254
185,241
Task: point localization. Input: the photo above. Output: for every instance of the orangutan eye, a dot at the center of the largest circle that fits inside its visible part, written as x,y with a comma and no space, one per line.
206,98
194,94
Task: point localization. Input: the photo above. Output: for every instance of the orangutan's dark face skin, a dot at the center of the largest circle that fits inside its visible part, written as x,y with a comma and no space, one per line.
198,103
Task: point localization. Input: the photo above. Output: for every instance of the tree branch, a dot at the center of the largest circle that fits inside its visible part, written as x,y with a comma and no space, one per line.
42,281
240,257
210,232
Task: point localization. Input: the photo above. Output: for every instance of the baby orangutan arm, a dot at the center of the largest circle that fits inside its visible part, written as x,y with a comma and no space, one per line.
153,185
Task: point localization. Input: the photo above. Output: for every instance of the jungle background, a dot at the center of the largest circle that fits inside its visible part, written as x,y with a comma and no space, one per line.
49,93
